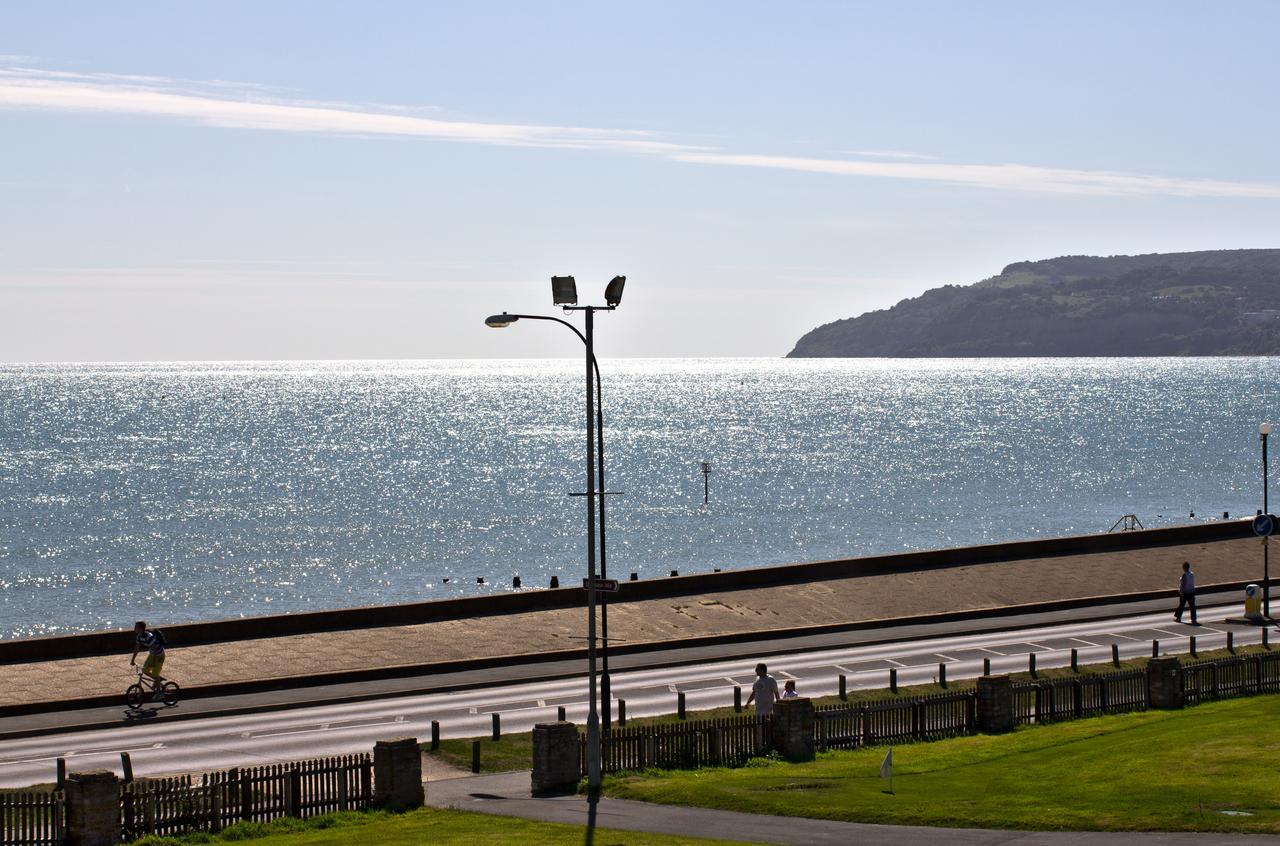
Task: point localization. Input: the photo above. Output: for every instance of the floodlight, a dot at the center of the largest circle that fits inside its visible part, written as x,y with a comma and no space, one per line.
613,293
564,291
500,321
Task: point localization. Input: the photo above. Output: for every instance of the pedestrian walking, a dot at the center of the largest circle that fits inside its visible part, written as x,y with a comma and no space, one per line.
1186,593
764,692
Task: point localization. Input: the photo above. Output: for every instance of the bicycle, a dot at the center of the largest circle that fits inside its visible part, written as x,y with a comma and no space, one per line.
147,689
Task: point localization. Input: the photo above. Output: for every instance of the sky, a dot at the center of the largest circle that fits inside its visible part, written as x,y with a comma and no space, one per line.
352,180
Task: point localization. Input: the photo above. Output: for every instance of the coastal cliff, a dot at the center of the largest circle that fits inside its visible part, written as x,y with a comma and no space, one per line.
1221,302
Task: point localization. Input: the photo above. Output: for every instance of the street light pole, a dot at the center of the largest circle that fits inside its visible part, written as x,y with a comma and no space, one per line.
593,715
1263,431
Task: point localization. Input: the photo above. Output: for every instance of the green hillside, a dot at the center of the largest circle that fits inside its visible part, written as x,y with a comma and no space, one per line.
1223,302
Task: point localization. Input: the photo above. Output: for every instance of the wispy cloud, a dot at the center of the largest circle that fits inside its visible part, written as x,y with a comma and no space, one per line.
1012,177
247,106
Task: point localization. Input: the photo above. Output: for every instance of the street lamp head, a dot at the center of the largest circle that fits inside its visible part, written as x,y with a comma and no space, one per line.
564,291
500,321
1264,429
613,293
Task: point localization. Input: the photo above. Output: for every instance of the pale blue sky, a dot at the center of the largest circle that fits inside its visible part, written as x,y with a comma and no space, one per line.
343,180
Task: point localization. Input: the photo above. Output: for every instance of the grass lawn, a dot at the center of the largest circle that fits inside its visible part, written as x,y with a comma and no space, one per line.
430,825
1158,770
515,751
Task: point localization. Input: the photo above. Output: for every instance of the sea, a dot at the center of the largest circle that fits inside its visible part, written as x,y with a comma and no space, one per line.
177,492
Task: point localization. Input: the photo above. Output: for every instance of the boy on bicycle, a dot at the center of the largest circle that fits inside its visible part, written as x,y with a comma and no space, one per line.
153,642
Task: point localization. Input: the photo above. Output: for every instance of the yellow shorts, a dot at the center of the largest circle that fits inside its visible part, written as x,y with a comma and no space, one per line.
153,665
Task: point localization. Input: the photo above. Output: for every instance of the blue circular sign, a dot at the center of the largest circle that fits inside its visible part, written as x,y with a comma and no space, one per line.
1264,525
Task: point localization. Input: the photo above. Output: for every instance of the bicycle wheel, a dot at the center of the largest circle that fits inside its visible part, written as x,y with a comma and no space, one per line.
134,696
169,693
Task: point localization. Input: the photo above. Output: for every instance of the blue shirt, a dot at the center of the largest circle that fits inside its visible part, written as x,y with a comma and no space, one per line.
148,641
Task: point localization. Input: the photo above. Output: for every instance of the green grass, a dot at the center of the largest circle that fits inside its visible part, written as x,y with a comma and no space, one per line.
515,751
429,825
1158,770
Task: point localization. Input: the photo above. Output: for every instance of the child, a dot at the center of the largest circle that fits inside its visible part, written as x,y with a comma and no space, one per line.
789,690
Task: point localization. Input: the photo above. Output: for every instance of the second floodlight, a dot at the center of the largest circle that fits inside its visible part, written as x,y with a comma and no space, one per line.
564,291
613,293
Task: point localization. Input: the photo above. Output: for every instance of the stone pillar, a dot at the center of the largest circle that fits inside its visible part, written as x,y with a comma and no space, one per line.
93,809
397,773
1164,682
793,728
557,758
995,704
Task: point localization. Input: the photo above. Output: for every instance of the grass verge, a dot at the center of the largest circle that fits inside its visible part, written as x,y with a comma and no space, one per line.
429,825
515,751
1157,770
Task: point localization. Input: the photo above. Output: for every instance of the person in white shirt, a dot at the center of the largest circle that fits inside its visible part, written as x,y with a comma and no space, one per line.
764,692
789,690
1186,593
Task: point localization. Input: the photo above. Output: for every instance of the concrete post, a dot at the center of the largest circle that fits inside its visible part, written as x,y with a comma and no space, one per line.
1164,682
93,809
793,728
557,767
397,773
995,704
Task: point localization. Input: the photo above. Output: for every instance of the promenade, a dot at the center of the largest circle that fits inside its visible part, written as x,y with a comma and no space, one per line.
761,609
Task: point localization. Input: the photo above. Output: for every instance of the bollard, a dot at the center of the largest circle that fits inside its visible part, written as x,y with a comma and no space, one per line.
986,666
1231,642
62,773
635,577
479,580
515,582
622,713
844,688
555,581
560,715
435,735
1115,654
893,679
126,766
1075,660
497,726
1031,664
1193,646
1266,643
675,572
1155,649
942,675
737,699
475,756
680,705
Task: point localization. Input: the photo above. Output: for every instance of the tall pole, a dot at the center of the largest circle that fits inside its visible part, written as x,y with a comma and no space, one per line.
593,715
606,704
1266,565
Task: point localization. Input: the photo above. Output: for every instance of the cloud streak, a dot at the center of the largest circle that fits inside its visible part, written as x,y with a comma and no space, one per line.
245,106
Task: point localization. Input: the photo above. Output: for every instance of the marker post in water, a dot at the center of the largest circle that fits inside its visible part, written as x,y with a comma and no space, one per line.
706,482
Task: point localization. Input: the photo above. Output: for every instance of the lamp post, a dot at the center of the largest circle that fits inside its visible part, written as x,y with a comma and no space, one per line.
565,295
1264,430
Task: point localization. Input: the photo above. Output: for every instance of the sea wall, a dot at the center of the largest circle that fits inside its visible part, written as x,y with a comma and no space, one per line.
536,599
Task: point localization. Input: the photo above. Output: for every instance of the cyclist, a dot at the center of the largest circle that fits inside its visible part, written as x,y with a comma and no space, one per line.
153,643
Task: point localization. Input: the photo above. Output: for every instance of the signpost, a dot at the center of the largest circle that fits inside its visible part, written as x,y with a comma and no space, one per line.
605,585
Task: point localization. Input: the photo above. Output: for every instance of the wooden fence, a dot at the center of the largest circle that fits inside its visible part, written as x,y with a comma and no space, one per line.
1072,698
1243,675
219,799
33,818
725,741
915,718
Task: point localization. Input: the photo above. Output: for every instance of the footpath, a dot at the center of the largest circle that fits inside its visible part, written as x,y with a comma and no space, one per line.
507,794
285,661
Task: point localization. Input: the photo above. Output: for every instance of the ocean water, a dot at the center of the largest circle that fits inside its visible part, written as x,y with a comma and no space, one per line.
190,491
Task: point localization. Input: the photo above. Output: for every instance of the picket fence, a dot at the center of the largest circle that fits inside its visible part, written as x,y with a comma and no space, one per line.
1072,698
31,818
1243,675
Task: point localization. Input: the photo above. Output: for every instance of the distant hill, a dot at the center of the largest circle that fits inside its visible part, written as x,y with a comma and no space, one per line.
1221,302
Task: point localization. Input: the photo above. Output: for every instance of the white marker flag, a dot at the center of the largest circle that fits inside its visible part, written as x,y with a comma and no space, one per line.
886,768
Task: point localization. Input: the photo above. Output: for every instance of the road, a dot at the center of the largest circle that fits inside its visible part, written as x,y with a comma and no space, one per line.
218,742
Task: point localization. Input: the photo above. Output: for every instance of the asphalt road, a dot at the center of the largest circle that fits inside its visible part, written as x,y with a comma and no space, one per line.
159,745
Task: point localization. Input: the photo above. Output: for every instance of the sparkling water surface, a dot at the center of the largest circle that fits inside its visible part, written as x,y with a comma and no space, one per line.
191,491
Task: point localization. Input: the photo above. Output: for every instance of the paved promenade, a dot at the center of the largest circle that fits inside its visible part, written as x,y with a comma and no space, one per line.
836,601
507,794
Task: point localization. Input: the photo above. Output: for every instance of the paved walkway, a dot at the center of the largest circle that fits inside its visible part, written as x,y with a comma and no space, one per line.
507,794
971,587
